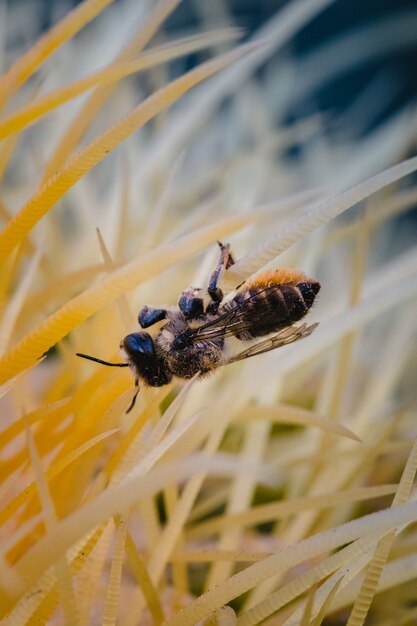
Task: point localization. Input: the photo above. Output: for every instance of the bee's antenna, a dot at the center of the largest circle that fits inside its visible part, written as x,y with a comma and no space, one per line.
93,358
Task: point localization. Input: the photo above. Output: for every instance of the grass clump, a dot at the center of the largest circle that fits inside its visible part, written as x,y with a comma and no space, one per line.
280,489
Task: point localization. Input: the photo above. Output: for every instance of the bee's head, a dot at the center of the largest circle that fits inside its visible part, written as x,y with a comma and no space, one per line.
141,354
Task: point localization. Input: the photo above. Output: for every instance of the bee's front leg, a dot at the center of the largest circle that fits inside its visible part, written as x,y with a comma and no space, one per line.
225,261
149,315
133,401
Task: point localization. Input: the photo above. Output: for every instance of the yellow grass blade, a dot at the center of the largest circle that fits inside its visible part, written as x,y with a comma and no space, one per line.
208,556
289,557
53,409
224,616
63,574
7,271
90,576
113,587
122,304
306,617
138,567
27,115
373,574
304,581
120,463
37,607
350,564
9,580
8,386
55,468
395,573
18,228
322,613
88,112
27,64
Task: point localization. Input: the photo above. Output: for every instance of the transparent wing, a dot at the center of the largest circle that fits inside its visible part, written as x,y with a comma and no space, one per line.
284,337
232,322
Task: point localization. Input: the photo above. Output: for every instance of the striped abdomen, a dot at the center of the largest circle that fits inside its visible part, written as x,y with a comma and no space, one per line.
273,300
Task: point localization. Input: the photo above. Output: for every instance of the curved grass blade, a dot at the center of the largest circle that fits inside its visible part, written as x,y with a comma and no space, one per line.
320,214
89,110
80,164
27,64
32,112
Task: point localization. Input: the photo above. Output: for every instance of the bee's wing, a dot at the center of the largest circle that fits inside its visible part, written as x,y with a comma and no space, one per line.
284,337
231,322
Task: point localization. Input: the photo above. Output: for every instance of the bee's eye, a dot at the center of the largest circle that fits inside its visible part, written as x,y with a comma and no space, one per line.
138,343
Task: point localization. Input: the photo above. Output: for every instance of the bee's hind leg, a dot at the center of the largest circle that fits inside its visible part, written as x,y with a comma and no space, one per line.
226,259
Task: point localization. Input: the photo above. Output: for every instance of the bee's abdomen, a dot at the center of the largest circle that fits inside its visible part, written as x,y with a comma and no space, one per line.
267,309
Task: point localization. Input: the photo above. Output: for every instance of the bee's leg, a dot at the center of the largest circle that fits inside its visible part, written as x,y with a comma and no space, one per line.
225,261
132,404
149,316
190,303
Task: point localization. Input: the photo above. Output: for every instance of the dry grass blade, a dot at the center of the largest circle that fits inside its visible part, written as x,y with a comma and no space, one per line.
306,616
377,564
279,510
301,583
322,613
224,616
138,567
203,556
287,414
289,557
319,215
113,587
395,573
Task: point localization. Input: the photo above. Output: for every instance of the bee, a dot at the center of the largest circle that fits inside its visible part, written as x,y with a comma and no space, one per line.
197,336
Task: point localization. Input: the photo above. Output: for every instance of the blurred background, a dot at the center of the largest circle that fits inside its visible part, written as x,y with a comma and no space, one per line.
343,86
378,80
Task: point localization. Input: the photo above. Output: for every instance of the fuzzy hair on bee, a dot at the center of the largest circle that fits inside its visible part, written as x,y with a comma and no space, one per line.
196,336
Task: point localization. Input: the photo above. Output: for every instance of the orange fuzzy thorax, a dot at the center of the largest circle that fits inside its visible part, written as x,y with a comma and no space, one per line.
281,276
